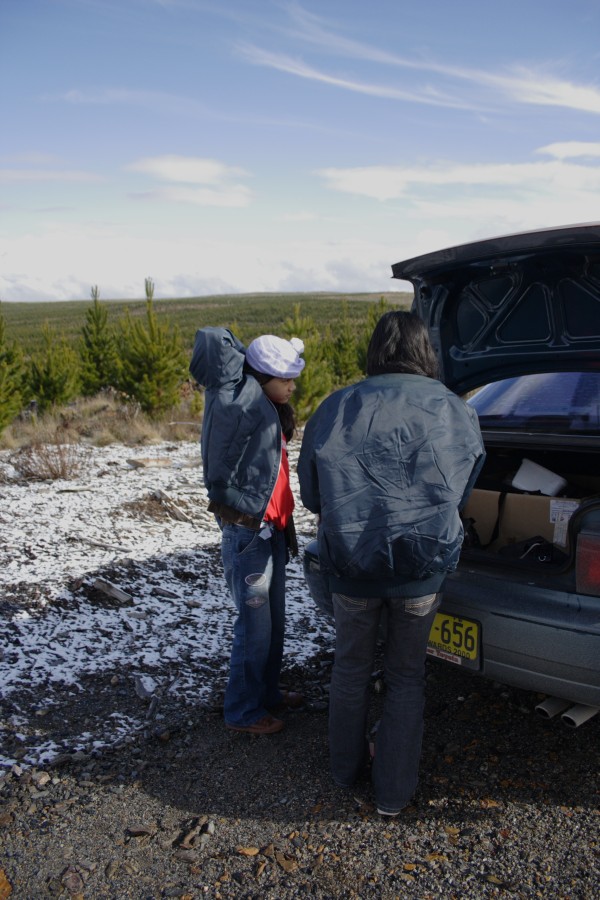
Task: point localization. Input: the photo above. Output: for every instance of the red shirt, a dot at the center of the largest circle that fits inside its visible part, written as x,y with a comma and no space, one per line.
281,504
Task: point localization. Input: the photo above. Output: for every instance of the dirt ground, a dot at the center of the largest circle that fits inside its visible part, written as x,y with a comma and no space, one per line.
508,806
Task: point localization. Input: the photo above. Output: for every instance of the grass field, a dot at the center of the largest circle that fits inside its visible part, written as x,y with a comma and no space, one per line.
247,314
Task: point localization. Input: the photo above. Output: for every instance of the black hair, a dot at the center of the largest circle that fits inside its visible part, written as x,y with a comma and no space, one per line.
285,411
400,343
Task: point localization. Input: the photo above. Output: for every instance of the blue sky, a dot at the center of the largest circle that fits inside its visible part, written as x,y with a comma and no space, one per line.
266,145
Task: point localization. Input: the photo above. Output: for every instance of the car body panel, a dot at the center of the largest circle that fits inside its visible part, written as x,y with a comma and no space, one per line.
513,305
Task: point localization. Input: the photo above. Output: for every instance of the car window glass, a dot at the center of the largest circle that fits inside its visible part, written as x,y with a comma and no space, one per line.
561,401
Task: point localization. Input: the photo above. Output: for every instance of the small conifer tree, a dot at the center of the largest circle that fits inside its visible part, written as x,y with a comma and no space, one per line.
374,314
152,362
12,386
316,380
345,351
98,349
54,371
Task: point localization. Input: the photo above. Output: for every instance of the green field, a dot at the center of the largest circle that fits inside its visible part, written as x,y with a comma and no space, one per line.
247,314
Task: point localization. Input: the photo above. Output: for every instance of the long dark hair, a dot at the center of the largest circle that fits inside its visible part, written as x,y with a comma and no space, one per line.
285,411
400,343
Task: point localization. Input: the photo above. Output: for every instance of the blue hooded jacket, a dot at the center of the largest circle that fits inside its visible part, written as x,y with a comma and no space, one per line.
387,463
241,433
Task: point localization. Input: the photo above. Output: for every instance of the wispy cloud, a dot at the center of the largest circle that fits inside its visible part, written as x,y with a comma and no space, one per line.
33,158
537,88
427,95
160,101
234,197
310,28
219,180
518,83
8,176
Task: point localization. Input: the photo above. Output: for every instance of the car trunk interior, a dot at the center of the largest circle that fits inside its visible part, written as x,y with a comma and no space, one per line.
529,526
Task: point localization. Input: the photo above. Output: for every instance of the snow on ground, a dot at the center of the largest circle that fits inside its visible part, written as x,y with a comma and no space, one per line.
82,669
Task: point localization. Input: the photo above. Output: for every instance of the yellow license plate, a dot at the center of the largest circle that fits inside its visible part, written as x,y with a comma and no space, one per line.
454,639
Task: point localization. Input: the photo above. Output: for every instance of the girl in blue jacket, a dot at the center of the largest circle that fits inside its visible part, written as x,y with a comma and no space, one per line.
247,422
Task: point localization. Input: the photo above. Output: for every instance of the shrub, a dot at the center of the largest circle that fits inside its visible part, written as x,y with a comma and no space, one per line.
54,372
49,459
12,383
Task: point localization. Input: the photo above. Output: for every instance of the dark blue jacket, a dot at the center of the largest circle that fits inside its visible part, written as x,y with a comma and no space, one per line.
386,464
241,433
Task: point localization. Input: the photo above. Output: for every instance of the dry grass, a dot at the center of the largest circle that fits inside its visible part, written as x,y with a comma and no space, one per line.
101,421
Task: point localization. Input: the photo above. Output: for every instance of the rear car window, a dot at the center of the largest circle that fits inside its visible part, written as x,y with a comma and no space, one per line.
563,402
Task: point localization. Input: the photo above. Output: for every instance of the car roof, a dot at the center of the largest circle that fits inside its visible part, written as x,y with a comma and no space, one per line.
512,305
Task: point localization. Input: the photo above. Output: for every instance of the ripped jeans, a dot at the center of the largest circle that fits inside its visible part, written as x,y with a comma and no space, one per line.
255,573
399,736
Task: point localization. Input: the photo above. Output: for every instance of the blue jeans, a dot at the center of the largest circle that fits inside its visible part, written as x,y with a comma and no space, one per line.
255,573
400,733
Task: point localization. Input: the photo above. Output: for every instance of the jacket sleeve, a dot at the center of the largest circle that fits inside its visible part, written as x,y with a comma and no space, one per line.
307,471
478,453
217,358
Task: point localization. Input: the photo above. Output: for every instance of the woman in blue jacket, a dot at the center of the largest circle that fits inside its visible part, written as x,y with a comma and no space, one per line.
247,422
386,464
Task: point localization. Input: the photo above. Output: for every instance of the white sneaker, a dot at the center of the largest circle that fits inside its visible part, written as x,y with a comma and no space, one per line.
392,815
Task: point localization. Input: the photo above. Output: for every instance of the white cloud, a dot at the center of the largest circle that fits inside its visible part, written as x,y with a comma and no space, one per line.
425,208
69,260
394,182
571,149
218,179
302,216
186,169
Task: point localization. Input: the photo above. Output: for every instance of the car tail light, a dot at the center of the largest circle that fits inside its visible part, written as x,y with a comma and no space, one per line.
587,570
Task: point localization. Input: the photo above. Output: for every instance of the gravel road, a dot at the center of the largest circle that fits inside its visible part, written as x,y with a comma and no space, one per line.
508,806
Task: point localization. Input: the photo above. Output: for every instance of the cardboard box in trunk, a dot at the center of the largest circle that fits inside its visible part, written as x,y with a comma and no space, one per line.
522,516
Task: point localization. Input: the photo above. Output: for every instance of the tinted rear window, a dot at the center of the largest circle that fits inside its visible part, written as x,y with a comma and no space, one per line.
557,402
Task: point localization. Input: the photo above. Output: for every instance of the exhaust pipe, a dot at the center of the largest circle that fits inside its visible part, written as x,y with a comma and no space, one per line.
578,714
552,706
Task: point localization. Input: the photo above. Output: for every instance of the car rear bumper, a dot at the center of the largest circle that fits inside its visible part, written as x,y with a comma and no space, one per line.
531,636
